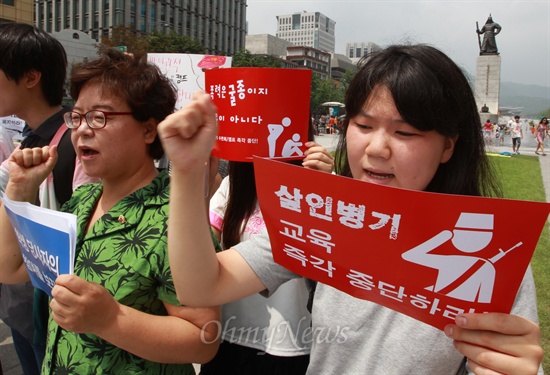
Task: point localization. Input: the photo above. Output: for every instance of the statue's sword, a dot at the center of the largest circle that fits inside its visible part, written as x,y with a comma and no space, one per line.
478,38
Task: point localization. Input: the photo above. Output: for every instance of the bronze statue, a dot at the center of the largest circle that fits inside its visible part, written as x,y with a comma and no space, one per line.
489,31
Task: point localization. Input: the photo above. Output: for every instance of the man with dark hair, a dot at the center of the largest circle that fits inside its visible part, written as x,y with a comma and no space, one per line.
33,68
517,134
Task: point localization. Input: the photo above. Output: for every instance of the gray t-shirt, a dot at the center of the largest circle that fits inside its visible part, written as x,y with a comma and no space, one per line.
354,336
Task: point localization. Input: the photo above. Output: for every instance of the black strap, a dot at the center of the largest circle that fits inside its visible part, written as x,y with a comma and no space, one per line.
63,171
312,285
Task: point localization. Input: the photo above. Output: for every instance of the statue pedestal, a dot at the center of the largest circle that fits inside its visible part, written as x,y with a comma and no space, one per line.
487,89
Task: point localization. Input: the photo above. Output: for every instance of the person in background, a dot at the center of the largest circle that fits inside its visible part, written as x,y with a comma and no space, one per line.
488,132
331,124
33,68
392,135
516,132
323,124
118,313
501,133
542,131
235,216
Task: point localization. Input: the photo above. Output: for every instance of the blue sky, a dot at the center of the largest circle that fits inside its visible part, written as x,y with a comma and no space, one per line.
524,42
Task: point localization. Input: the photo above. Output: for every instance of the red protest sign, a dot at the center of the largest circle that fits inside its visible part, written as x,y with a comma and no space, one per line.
261,111
430,256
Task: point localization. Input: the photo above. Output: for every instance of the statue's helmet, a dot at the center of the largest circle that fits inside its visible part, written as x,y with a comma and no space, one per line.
490,19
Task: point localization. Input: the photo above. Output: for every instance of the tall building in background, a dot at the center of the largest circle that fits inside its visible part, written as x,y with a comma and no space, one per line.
16,11
220,25
310,29
355,51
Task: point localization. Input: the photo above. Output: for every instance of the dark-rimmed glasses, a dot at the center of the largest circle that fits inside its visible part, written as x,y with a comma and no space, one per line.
95,119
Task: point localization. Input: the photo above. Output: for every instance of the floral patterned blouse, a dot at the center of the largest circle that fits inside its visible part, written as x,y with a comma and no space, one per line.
126,252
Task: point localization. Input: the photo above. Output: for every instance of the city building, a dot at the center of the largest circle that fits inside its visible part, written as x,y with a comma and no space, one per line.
269,45
310,29
16,11
79,47
311,58
220,25
339,64
355,51
266,44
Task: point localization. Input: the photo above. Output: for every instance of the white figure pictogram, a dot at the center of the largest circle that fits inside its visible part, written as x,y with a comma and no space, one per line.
468,278
290,147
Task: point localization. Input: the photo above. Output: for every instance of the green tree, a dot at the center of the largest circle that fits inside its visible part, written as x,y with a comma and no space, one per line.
124,36
545,113
158,42
172,43
244,58
345,81
324,90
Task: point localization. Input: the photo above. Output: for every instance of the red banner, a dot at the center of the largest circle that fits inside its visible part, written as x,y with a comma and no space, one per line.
430,256
261,112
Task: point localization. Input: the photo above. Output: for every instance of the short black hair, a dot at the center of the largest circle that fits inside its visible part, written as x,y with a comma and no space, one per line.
24,48
148,92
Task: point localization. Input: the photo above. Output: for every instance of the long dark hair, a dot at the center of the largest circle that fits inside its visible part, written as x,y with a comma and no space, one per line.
431,93
243,198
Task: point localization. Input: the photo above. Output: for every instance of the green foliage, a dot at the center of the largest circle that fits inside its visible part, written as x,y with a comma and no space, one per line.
244,58
324,90
124,36
541,270
545,113
156,42
520,176
521,179
345,81
172,43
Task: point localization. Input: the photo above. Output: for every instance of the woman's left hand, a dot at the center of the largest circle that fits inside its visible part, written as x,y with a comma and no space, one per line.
81,306
497,343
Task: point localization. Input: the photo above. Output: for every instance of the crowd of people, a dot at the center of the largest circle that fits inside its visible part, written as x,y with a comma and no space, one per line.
517,130
327,124
150,292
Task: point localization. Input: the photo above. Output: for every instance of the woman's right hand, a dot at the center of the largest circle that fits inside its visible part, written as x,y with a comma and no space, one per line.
29,167
318,158
189,134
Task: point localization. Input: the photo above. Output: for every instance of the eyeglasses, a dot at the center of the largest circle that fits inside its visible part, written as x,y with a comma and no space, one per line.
95,119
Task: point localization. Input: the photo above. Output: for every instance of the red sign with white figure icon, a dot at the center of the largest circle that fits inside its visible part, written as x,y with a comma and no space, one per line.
261,112
429,256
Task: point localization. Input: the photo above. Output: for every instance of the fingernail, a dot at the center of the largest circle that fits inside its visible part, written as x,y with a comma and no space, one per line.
461,321
449,331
